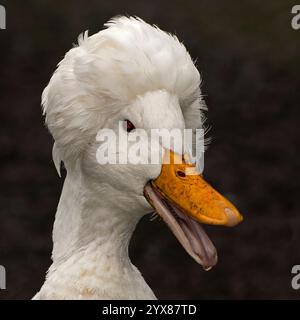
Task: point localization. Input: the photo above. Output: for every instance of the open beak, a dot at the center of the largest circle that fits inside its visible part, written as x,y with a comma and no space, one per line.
183,198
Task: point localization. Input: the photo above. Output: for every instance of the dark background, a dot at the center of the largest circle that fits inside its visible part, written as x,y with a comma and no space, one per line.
248,56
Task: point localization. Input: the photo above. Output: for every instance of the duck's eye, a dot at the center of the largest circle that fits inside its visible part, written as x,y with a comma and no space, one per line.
129,126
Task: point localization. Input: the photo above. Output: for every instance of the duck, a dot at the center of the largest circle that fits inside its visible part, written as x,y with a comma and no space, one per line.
135,73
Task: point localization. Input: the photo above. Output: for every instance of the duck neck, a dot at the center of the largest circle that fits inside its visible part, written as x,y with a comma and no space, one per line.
88,223
90,246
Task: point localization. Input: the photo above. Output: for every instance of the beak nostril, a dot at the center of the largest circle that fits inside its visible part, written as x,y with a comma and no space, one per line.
180,174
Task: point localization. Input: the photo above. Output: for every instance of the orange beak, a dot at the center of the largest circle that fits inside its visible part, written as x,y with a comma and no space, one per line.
183,198
184,187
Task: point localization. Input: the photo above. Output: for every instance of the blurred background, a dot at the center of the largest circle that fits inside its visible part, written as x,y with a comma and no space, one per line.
248,56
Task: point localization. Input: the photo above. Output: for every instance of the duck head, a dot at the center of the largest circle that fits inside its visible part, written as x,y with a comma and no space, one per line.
135,74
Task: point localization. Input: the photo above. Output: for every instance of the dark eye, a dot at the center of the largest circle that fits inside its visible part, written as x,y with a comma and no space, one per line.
129,126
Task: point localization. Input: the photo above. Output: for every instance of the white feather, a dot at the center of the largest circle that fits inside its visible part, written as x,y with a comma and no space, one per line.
56,158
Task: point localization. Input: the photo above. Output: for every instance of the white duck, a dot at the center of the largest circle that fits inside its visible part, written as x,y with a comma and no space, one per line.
132,71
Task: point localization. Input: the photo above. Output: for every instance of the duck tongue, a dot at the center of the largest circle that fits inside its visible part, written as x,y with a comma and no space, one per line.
189,233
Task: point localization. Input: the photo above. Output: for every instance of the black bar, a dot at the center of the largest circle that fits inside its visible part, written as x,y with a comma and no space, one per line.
148,309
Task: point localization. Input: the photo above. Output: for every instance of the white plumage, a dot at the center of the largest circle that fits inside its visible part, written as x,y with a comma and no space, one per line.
130,70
